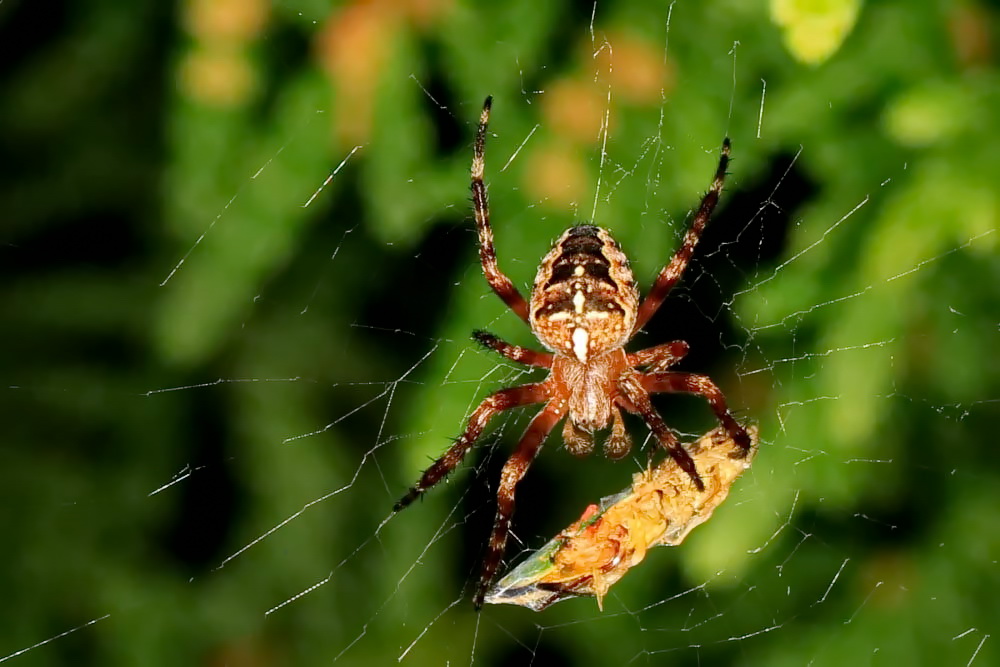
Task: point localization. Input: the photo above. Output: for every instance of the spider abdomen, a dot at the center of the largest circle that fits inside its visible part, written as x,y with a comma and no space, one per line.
584,299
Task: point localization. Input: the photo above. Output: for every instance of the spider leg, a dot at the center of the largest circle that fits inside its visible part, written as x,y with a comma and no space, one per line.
513,471
499,281
671,273
638,401
659,357
703,386
495,403
521,355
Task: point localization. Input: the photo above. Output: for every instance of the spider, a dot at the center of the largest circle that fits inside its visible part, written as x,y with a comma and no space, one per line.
584,307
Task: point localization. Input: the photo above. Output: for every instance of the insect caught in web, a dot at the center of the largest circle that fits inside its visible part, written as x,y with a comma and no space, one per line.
659,509
584,307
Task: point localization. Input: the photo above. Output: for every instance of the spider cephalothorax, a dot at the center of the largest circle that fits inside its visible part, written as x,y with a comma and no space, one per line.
584,308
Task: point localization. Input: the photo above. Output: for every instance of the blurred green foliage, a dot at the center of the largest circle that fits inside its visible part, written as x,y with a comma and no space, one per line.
215,392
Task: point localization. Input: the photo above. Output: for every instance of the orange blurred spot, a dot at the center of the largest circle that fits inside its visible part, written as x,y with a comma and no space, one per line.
574,109
353,48
229,21
969,28
555,174
218,77
423,13
637,70
889,578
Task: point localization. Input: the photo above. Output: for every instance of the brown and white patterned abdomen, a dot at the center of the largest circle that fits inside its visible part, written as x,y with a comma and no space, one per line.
584,298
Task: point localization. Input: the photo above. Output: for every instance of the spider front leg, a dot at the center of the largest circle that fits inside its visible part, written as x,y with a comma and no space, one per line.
701,385
521,355
505,399
513,471
500,283
659,357
637,401
671,273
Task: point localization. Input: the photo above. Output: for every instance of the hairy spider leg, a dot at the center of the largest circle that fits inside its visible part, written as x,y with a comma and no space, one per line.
495,403
671,273
641,405
497,279
659,357
702,385
513,471
521,355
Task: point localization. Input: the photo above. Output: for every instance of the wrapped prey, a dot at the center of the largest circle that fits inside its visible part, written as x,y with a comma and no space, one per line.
660,508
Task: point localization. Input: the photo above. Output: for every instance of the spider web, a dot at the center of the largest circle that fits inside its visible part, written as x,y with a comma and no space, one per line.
859,532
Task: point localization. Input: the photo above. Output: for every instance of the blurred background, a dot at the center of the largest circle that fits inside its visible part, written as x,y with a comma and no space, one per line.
239,274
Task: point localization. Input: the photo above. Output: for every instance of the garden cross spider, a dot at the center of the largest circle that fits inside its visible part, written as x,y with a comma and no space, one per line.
584,308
